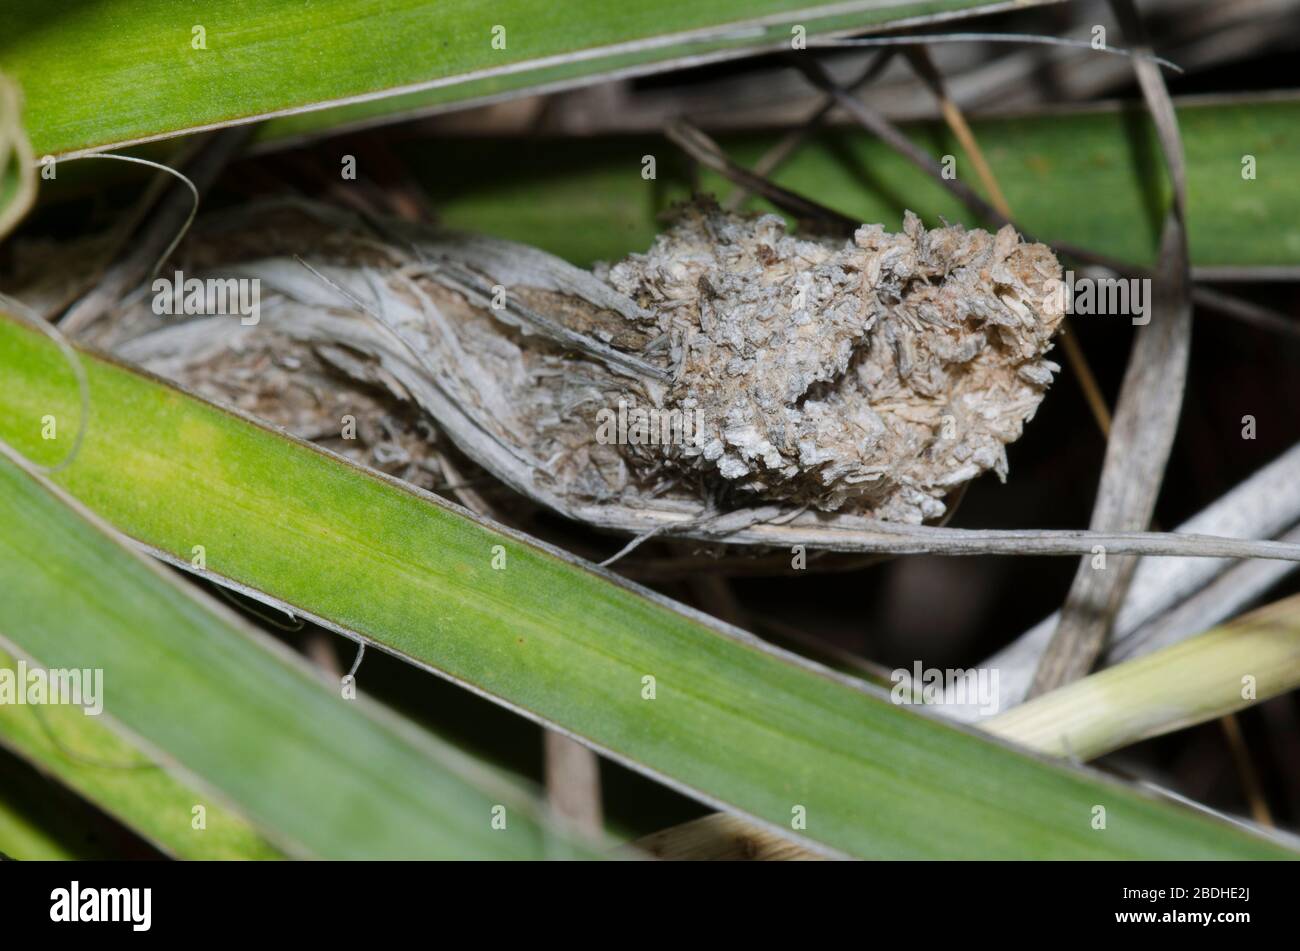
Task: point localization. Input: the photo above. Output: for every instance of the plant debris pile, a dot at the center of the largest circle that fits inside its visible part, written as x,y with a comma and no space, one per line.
876,377
864,378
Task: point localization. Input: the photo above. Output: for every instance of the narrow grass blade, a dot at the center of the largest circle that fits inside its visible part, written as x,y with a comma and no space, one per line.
702,707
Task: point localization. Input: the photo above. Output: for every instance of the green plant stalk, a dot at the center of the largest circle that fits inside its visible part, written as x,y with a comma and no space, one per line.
234,712
120,71
1231,667
732,722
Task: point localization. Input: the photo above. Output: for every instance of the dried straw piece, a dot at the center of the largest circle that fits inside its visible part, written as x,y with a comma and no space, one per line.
1146,416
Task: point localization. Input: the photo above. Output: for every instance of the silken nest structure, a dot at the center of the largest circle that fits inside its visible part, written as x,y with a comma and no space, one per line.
506,438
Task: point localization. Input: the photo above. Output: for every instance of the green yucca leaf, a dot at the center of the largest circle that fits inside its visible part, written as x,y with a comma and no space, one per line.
703,707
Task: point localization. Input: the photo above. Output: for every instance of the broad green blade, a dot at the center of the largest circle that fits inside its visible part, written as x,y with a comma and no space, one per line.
238,714
590,203
707,709
1229,668
119,71
1089,178
1236,665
